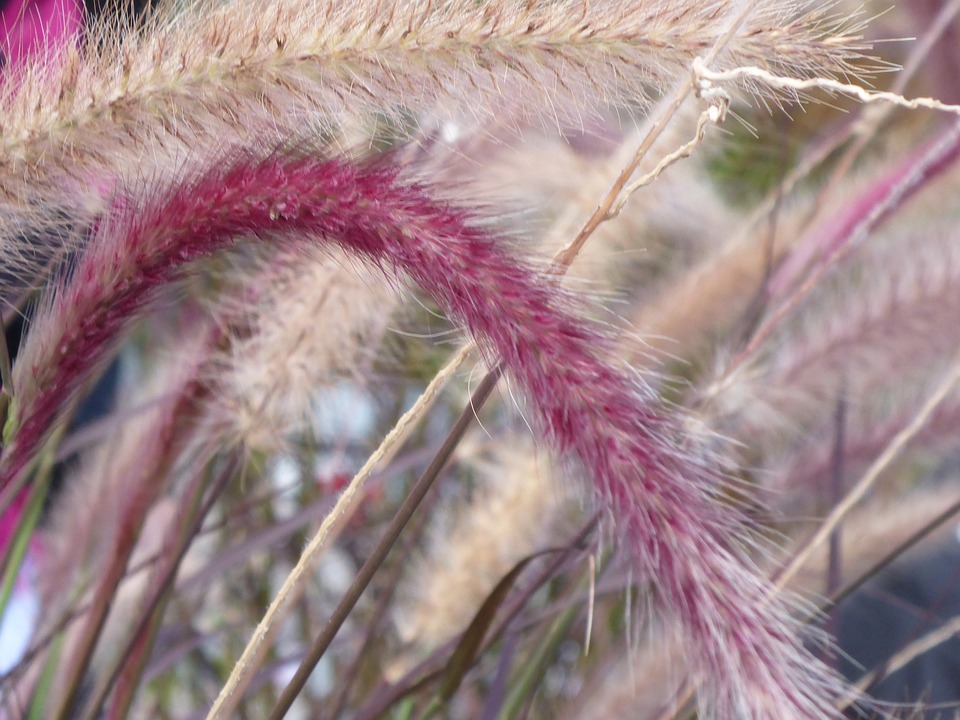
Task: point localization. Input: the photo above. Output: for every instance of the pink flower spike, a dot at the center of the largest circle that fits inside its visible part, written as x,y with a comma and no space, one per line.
835,236
687,540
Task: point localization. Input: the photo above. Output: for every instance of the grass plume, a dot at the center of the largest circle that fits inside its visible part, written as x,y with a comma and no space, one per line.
253,72
134,155
307,322
686,539
473,545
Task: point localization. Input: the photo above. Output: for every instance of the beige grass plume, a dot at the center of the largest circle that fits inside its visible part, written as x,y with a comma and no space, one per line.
313,319
259,73
472,544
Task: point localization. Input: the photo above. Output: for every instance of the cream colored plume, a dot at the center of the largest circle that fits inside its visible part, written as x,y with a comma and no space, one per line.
314,320
259,73
472,544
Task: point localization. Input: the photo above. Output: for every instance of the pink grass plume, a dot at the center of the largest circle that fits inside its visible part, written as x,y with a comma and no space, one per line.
667,501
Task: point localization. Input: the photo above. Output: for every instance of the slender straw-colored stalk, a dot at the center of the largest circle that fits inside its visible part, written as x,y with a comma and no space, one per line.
242,672
895,447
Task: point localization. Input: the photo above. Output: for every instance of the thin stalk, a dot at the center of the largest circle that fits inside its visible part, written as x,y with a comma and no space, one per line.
6,372
372,564
899,550
172,436
11,561
379,614
132,659
893,449
45,683
536,665
342,511
434,667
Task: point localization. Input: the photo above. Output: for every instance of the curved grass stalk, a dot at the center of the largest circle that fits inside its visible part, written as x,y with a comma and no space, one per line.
685,538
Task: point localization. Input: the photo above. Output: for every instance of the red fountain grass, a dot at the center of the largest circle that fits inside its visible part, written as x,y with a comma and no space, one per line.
687,539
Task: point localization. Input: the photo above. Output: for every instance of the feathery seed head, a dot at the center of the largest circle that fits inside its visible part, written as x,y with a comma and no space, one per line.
313,319
258,73
473,543
685,539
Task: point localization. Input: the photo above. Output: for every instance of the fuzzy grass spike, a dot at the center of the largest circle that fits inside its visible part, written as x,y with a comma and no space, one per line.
685,537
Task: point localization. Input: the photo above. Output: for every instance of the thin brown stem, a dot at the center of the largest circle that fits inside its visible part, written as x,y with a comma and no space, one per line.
372,564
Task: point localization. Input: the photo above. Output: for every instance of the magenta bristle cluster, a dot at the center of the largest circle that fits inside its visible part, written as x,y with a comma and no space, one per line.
686,539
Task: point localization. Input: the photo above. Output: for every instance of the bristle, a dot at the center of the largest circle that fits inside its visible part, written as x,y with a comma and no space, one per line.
30,28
